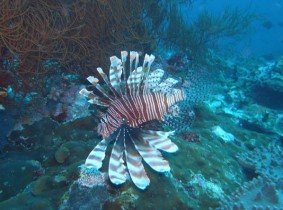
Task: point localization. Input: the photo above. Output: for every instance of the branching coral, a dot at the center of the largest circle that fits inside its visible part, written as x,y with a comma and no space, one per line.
39,38
195,36
33,32
263,192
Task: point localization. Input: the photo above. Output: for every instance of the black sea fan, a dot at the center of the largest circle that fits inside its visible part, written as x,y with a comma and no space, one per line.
131,102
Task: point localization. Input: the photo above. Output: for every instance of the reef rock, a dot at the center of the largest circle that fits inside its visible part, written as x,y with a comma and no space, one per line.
62,154
261,193
267,162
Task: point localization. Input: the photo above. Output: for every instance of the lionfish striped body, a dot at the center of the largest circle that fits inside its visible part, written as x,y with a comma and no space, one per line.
140,98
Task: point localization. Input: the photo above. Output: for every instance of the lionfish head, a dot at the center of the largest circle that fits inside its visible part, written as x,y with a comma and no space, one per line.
138,97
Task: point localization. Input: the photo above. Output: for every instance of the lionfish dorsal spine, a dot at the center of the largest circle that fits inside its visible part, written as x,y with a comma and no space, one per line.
94,81
134,56
134,80
115,73
148,60
107,82
124,55
93,99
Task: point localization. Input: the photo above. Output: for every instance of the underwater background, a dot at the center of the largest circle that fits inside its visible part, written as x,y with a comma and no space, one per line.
226,55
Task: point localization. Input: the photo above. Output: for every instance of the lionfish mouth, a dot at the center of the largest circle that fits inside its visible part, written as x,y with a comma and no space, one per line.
141,98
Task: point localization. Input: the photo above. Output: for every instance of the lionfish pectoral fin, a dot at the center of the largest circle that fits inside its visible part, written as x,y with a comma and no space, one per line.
160,140
151,156
97,155
117,169
134,165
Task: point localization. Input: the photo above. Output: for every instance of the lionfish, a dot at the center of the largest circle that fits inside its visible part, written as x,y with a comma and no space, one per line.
131,102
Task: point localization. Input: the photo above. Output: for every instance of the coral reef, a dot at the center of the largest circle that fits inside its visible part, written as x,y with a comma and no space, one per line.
266,161
62,154
260,193
39,38
90,177
264,191
46,47
89,192
12,179
85,198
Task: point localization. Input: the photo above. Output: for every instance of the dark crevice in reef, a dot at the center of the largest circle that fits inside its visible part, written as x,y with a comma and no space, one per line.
250,174
267,97
254,126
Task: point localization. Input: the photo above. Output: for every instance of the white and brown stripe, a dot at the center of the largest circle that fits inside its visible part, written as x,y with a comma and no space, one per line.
137,109
117,169
142,98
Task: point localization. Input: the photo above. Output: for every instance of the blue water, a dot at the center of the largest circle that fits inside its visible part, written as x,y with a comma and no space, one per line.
261,40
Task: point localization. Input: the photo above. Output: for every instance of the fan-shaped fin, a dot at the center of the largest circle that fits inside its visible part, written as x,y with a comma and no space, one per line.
117,169
151,155
160,140
134,164
97,155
